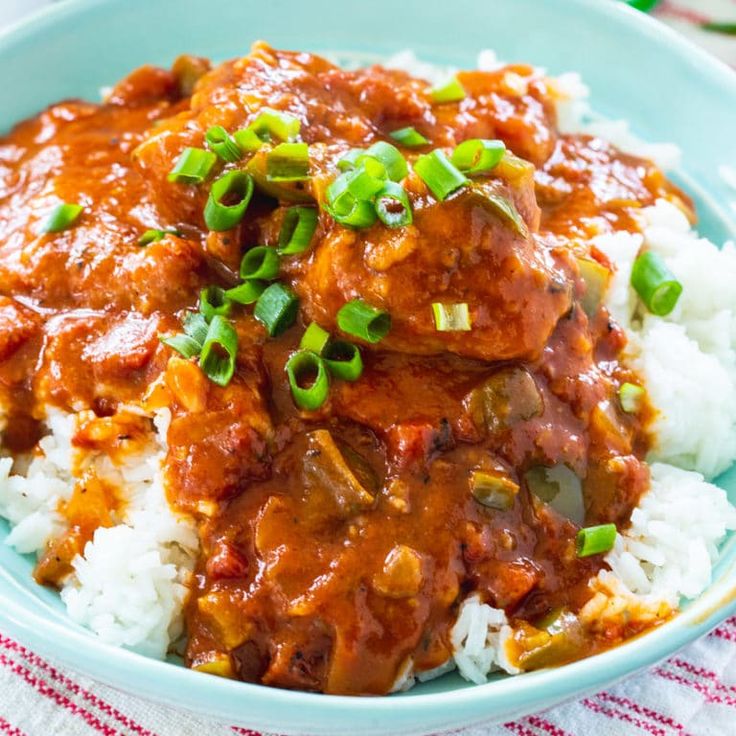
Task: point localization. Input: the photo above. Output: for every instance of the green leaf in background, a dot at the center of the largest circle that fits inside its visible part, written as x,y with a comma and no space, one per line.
644,5
729,29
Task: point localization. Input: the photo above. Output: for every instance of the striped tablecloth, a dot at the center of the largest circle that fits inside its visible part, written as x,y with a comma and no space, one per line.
692,694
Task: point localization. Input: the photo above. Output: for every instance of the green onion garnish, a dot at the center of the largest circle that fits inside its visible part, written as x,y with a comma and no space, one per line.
219,351
183,344
352,212
195,325
361,183
350,160
223,144
448,91
655,284
247,292
439,174
390,157
260,263
193,166
62,217
190,343
297,230
247,140
308,380
288,162
349,198
228,201
630,395
451,317
478,156
593,540
409,137
274,124
154,236
344,360
314,339
392,205
364,321
276,308
213,301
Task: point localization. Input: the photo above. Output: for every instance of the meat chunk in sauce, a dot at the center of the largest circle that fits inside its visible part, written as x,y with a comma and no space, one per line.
337,544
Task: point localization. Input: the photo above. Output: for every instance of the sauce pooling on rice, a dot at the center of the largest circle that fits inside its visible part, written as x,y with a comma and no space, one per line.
392,380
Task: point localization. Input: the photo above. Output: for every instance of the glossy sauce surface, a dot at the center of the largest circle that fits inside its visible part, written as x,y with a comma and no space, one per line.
338,544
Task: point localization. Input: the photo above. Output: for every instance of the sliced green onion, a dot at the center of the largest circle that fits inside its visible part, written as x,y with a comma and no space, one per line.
213,301
392,205
219,351
260,263
288,162
195,325
409,137
297,230
223,144
308,380
478,156
350,160
154,236
228,201
247,293
449,91
344,360
352,212
183,344
361,183
276,308
390,157
314,339
657,286
451,317
193,166
349,198
439,174
364,321
248,140
593,540
274,124
630,395
62,217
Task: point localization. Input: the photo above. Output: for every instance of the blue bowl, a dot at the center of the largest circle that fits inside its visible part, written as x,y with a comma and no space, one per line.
637,69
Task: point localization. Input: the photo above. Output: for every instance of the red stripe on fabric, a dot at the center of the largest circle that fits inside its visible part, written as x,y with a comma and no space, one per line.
702,672
673,10
623,716
48,692
518,728
643,710
699,687
546,726
74,687
9,729
726,634
245,731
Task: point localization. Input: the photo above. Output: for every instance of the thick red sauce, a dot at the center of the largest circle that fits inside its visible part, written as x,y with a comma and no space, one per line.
339,543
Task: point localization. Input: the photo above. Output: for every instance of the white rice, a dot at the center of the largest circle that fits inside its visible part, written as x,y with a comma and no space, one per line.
131,582
130,585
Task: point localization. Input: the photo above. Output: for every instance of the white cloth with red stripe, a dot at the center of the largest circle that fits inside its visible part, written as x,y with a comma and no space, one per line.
692,694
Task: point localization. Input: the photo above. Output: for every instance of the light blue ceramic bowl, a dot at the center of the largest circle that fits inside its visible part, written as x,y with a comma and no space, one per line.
637,69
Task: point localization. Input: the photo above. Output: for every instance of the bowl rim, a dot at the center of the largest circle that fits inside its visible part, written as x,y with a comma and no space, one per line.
26,617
